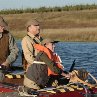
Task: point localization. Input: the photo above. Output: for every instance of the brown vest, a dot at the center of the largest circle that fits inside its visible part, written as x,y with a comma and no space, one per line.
4,46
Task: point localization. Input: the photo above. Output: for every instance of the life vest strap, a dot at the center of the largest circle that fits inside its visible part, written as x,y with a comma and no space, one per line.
39,62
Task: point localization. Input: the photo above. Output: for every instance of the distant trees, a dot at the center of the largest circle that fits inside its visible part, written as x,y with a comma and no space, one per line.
49,9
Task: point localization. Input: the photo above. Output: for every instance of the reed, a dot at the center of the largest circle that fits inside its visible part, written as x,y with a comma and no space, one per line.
68,34
72,34
65,25
54,20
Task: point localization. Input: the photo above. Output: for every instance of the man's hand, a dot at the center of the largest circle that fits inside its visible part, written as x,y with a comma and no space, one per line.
68,76
6,63
2,67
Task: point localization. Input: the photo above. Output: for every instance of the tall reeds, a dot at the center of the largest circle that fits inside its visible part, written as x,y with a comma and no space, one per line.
68,34
73,34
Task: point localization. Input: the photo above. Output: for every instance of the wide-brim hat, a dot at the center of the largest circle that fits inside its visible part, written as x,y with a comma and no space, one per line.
32,22
48,40
3,23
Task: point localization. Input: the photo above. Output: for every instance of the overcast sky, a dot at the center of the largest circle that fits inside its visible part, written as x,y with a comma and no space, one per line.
13,4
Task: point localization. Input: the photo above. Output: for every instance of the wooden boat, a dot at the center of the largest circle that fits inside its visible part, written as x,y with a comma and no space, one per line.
11,86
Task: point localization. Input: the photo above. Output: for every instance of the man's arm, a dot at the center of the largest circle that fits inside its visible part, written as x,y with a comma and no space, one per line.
13,51
52,65
28,50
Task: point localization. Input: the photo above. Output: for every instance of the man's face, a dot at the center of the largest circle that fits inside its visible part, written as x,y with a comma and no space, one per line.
34,29
51,46
1,28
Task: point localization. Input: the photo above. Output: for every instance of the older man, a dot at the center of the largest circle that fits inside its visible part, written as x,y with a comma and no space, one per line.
8,47
32,37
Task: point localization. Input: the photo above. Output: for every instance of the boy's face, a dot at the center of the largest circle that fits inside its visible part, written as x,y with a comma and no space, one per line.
51,46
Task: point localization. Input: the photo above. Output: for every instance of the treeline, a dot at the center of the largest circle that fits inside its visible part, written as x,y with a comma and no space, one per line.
49,9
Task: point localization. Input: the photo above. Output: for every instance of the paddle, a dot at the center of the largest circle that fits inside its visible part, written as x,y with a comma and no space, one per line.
72,66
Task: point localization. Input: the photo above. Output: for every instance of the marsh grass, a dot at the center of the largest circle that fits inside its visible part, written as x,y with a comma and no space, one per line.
54,20
65,26
68,34
72,34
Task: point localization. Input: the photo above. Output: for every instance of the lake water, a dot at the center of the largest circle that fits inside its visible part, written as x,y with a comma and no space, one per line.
84,53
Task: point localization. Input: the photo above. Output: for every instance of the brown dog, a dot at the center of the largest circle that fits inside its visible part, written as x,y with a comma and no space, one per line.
75,79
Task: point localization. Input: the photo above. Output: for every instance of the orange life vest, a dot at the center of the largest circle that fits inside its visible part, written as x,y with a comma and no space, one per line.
51,55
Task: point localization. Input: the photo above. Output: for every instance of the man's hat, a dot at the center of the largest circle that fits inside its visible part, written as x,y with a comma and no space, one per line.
2,22
48,40
32,22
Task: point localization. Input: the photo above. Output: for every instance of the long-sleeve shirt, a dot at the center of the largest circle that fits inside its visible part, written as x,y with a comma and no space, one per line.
28,49
13,49
51,64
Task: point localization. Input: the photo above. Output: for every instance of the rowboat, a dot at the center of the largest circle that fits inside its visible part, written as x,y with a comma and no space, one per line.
13,86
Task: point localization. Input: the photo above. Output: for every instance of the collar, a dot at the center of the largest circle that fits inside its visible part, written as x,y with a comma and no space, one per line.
31,35
34,37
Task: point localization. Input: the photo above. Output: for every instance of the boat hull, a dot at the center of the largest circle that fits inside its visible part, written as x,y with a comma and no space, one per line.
17,81
10,89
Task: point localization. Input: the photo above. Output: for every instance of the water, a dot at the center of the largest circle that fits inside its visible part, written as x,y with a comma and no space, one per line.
84,53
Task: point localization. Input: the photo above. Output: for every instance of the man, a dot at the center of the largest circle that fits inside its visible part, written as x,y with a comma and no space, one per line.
32,37
8,47
37,73
49,48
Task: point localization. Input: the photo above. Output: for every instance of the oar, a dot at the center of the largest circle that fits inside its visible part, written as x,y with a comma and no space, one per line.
72,66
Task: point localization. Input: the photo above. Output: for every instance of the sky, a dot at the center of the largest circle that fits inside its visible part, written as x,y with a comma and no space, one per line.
17,4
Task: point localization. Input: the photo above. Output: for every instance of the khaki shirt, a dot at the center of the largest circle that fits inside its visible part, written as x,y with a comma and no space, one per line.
28,49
